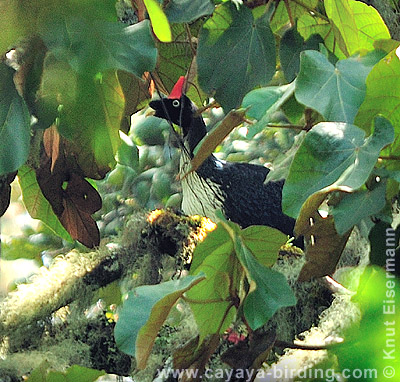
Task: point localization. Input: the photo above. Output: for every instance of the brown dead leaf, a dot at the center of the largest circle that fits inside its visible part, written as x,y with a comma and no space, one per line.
135,91
79,223
325,245
195,357
51,142
71,196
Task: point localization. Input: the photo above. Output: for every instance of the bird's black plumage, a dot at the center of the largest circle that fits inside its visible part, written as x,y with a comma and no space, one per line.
238,189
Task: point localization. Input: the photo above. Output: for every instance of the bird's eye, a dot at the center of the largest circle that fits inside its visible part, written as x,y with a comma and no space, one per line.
175,103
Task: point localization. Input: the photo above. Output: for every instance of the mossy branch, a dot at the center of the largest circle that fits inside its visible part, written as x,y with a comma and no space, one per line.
77,274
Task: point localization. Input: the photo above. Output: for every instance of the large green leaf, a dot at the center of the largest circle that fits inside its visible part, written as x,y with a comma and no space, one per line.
14,124
292,44
358,205
333,153
43,373
269,290
370,25
358,24
144,312
263,104
309,24
352,26
235,54
94,116
218,242
36,204
92,46
264,243
340,13
370,343
211,301
336,92
158,20
296,8
382,97
185,11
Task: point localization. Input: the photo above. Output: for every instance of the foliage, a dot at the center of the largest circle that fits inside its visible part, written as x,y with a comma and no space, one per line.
73,373
81,75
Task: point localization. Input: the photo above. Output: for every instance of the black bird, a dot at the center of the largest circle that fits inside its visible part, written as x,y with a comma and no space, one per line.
237,189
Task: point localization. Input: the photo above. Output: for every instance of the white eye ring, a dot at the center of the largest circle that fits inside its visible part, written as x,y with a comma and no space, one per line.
175,103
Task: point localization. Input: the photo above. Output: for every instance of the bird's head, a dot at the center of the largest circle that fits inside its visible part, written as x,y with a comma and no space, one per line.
177,108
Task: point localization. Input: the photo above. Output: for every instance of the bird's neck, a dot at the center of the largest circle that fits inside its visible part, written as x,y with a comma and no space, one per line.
195,133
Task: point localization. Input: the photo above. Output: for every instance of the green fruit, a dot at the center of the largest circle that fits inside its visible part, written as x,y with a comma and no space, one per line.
148,130
117,176
128,153
142,192
161,185
174,201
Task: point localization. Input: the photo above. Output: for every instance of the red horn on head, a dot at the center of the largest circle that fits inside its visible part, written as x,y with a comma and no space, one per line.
177,90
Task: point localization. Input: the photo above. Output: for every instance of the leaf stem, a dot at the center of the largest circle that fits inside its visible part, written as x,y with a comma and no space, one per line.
292,345
211,301
295,127
389,157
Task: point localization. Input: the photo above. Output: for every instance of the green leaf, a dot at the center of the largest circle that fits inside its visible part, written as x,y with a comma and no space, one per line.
340,14
259,101
297,9
382,94
218,242
158,20
211,300
263,242
185,11
269,290
358,25
144,312
74,373
382,97
369,340
370,25
235,54
333,153
292,44
128,153
358,205
93,46
336,92
14,124
377,240
36,204
94,115
264,103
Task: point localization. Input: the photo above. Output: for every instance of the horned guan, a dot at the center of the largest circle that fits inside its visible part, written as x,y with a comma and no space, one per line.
237,189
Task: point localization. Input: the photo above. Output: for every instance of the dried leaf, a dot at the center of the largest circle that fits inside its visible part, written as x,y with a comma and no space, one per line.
83,195
325,244
51,142
208,145
79,224
74,203
201,358
136,91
